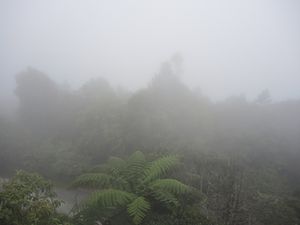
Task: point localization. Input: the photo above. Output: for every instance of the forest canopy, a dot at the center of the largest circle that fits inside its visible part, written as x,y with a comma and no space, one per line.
240,157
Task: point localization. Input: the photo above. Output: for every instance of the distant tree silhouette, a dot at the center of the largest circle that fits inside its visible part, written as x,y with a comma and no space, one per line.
264,97
38,98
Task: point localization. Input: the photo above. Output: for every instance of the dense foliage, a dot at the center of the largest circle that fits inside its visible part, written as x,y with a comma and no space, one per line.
241,155
133,184
28,199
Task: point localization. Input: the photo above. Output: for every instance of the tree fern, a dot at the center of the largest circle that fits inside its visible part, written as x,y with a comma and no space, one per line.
93,180
110,198
165,197
138,209
170,185
135,166
133,183
121,183
160,167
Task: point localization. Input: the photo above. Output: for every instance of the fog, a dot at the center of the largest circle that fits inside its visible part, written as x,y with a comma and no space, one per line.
229,47
149,112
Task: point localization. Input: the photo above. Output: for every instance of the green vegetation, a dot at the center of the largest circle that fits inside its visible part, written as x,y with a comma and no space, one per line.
134,184
28,199
239,159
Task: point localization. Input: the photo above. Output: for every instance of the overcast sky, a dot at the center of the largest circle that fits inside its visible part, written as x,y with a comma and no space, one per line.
229,47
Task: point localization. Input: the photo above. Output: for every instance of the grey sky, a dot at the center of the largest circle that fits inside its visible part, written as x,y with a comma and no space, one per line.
229,47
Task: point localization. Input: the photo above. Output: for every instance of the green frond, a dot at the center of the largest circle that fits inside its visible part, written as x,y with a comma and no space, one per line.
120,183
93,180
160,167
110,198
165,197
126,180
135,166
138,209
170,185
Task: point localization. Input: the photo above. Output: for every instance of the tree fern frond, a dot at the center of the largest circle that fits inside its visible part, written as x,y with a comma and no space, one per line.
138,209
165,197
170,185
110,198
93,180
133,183
160,167
120,183
135,165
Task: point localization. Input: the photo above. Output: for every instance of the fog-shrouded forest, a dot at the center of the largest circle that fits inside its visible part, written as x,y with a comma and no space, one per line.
240,158
89,150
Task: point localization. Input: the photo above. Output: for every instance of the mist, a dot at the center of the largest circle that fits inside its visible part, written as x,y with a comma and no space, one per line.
149,112
229,48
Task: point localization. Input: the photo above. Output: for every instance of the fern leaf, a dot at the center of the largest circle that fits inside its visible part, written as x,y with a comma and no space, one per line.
170,185
93,180
165,197
160,167
135,166
110,198
138,209
120,183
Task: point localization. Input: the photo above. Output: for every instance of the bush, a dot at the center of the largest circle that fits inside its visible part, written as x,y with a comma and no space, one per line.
28,199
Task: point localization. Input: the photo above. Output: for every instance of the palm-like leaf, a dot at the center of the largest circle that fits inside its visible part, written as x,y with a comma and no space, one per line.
110,198
160,167
169,185
138,209
130,182
120,183
135,166
165,197
93,180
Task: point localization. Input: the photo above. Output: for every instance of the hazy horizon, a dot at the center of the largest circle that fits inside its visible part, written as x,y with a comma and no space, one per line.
159,112
229,48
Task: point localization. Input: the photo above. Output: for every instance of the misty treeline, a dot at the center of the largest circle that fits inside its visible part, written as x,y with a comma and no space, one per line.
242,156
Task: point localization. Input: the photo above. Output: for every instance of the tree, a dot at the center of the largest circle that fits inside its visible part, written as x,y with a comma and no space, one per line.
264,97
38,101
28,199
135,184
